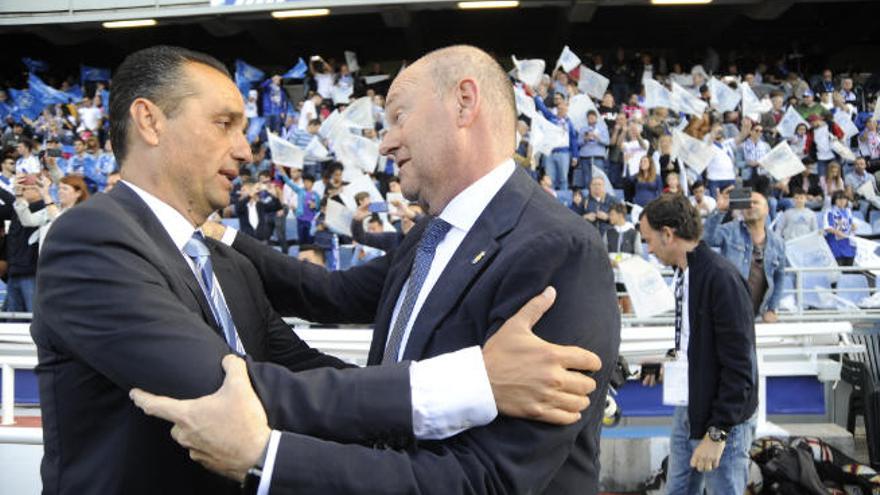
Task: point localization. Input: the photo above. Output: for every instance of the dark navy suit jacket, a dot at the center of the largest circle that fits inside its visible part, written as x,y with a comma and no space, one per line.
523,242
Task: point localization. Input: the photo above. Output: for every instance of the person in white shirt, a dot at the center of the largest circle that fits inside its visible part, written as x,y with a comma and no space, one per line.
27,162
309,111
324,76
704,203
721,170
89,115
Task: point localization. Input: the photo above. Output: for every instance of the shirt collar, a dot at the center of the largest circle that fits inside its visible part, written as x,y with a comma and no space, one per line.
466,207
177,226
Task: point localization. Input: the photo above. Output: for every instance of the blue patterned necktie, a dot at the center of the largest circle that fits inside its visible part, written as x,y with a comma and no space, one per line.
431,238
198,251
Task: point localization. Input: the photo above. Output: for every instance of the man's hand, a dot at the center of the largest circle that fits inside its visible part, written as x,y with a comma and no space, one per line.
532,378
226,431
591,217
214,230
722,203
770,317
707,456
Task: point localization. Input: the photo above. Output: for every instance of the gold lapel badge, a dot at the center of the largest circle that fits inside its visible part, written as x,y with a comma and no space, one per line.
478,257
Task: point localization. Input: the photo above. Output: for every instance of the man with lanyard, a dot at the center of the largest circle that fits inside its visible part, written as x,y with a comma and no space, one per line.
712,376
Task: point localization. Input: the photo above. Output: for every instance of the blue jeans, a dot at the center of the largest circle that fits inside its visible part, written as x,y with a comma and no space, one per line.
719,185
556,166
732,474
583,174
20,293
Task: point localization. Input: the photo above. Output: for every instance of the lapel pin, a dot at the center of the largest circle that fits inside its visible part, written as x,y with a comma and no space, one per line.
478,257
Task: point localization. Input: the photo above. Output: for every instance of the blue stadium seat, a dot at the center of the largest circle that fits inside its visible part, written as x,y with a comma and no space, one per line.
873,216
852,281
564,197
875,226
862,228
813,281
857,214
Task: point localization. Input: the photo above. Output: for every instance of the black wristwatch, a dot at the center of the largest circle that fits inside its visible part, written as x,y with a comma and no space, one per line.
716,434
251,482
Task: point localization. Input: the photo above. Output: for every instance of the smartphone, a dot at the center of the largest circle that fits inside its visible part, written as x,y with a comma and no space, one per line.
378,207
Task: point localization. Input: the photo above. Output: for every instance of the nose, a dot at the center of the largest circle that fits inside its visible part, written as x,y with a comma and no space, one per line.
390,143
241,149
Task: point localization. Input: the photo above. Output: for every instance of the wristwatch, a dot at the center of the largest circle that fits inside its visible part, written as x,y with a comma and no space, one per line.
716,434
251,482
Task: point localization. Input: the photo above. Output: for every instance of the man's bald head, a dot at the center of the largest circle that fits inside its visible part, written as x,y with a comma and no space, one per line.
448,66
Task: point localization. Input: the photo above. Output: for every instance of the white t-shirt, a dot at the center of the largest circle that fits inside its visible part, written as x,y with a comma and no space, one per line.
29,165
307,113
325,85
90,116
721,167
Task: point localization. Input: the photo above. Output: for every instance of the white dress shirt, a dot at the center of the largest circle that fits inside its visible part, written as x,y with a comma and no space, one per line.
180,230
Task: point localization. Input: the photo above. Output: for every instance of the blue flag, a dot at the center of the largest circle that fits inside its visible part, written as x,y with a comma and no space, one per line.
75,93
6,109
87,73
25,104
254,127
245,75
34,65
45,93
298,71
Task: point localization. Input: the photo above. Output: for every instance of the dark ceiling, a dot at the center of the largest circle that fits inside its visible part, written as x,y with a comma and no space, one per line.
841,34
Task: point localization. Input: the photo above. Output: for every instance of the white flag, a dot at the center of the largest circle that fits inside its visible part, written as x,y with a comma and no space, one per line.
781,162
285,153
842,151
337,217
645,287
877,110
351,61
546,136
866,253
656,95
685,102
334,127
341,94
525,105
529,71
568,60
788,123
359,182
360,113
370,80
357,152
811,251
592,83
752,106
316,151
693,152
578,107
844,121
723,97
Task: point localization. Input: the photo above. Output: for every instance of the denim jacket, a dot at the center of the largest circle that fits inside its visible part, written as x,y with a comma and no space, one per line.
736,245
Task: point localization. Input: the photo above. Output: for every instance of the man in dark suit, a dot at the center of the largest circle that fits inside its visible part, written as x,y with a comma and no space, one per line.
494,239
131,295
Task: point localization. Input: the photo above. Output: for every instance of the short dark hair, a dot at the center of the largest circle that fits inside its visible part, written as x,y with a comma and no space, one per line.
698,184
316,122
619,208
838,195
796,191
155,74
676,212
375,218
28,143
308,177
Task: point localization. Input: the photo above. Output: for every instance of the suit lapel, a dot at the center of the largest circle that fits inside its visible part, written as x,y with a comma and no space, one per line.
472,257
169,258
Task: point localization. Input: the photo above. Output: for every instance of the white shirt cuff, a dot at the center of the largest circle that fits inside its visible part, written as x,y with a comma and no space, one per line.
268,467
229,236
451,393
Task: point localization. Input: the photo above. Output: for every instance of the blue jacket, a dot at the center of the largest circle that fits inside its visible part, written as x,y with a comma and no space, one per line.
736,245
572,148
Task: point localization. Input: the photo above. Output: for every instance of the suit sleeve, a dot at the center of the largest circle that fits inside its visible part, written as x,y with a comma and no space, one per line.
509,455
105,303
314,293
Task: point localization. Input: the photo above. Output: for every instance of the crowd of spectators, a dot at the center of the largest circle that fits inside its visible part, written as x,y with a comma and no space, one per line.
614,160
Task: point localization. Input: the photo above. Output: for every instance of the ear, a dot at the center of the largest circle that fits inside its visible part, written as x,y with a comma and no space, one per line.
468,100
148,120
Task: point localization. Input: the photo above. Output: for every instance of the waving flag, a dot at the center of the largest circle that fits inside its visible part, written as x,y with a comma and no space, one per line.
47,95
35,65
87,73
298,71
245,75
255,125
568,60
25,104
529,71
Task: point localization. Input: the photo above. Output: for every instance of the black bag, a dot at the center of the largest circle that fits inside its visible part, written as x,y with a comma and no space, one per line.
789,470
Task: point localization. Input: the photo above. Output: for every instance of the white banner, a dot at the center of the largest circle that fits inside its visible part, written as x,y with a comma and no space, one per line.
341,94
525,105
811,251
334,127
781,162
360,113
656,95
545,135
866,253
316,151
723,97
844,121
529,71
877,110
337,217
285,153
788,123
370,80
684,101
568,60
359,182
592,83
752,106
578,106
694,153
645,287
351,61
842,151
358,152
